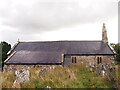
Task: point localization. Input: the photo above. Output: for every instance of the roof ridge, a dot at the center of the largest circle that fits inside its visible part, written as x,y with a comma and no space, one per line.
63,41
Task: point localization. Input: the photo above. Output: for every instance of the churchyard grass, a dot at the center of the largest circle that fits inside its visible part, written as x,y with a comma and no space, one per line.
74,76
7,79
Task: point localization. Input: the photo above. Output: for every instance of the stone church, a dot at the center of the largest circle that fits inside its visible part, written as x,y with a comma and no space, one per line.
61,52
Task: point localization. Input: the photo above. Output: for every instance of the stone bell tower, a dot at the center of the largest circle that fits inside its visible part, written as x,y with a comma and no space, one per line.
104,34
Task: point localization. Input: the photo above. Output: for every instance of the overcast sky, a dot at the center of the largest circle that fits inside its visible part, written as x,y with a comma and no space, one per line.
41,20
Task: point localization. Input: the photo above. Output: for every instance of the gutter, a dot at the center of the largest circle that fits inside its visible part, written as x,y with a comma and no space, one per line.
89,54
34,63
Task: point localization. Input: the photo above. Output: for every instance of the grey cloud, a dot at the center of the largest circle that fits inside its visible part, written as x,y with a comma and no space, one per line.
12,37
42,16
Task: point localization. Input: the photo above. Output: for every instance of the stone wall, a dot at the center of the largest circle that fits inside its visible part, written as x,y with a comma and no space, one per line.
93,59
79,59
18,67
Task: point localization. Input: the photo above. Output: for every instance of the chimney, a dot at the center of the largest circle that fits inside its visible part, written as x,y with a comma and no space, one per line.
104,34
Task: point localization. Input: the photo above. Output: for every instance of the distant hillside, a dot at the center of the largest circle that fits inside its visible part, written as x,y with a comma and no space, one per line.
75,76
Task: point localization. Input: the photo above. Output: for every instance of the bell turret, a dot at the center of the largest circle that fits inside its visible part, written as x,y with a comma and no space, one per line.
104,34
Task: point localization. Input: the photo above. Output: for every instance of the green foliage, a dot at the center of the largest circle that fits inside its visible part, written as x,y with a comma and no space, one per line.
5,47
117,49
36,84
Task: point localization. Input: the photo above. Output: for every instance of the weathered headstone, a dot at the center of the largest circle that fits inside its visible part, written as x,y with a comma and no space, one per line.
97,70
103,73
90,68
22,75
43,71
47,88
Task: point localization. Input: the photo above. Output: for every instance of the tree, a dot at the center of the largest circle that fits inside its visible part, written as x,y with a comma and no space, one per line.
4,48
117,49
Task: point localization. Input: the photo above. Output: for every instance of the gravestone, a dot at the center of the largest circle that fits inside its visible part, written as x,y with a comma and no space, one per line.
22,75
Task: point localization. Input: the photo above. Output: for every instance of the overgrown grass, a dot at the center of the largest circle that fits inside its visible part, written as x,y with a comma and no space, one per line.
7,79
117,74
74,76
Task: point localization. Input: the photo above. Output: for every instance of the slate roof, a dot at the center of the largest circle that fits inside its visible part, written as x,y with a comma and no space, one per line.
50,52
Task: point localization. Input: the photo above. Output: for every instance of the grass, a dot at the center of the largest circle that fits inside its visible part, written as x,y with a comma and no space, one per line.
74,76
118,76
7,79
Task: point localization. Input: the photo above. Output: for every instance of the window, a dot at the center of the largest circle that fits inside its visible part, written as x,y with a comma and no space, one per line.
99,60
74,60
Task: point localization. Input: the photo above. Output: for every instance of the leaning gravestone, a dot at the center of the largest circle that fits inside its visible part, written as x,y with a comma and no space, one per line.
21,76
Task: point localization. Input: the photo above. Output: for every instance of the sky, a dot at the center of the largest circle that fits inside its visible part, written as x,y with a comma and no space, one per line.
52,20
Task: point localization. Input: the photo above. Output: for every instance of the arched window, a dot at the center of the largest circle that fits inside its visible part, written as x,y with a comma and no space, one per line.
74,60
99,60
